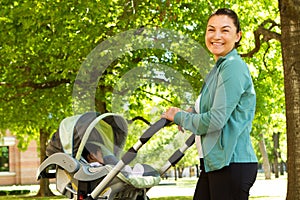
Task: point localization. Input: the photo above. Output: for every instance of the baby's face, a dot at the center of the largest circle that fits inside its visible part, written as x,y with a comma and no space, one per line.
98,157
95,157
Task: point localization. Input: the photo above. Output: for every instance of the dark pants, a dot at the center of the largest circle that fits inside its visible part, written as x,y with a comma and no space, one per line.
232,182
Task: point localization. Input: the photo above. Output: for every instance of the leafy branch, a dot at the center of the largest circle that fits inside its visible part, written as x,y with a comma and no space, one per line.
262,34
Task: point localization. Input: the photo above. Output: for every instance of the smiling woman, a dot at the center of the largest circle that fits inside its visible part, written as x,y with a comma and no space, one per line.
221,35
222,116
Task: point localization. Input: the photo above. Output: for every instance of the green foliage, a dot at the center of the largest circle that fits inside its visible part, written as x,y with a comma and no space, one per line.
44,44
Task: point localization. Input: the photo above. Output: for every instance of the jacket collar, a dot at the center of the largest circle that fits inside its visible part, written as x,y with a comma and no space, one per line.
233,52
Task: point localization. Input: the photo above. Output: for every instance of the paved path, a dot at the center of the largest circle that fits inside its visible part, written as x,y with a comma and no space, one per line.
274,189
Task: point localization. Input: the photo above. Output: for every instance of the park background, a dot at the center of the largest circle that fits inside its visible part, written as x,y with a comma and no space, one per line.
45,43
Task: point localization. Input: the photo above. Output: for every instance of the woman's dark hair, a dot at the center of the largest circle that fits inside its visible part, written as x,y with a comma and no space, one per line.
230,13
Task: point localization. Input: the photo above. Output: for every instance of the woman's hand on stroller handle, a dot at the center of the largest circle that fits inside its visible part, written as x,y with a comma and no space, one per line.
170,113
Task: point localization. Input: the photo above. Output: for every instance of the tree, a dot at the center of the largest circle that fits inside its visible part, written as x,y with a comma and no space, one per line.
44,45
290,26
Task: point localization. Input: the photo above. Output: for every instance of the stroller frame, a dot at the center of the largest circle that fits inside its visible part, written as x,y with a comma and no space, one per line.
74,180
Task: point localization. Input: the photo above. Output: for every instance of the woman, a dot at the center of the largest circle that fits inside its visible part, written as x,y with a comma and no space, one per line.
222,116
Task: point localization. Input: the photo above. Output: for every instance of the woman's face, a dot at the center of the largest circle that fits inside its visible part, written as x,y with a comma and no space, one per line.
221,35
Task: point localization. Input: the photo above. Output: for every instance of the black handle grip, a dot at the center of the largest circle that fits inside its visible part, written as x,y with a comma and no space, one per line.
129,156
153,129
190,141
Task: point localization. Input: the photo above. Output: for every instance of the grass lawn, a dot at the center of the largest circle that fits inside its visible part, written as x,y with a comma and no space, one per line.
161,198
62,198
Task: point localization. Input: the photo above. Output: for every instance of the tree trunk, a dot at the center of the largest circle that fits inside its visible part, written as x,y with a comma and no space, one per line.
175,173
266,163
282,165
197,171
290,42
276,153
101,106
180,172
44,183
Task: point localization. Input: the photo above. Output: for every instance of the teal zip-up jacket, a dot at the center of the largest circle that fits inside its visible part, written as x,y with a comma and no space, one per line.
227,107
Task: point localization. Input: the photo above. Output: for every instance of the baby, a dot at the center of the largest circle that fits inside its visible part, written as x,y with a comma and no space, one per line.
92,154
97,155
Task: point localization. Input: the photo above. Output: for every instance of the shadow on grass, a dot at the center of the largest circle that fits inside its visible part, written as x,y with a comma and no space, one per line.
13,192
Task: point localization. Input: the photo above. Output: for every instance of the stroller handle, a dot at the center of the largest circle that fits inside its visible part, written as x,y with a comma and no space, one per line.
132,152
153,129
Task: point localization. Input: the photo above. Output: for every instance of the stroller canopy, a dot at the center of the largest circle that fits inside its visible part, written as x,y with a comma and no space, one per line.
108,131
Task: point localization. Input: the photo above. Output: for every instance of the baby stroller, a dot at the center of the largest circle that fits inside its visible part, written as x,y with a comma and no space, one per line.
77,178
